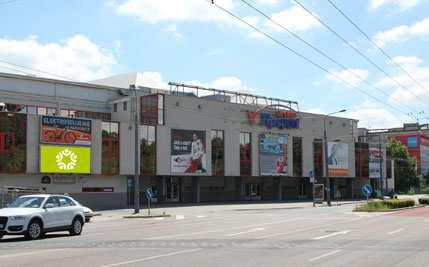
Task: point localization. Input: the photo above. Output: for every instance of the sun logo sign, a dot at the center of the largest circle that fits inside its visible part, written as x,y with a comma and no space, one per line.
66,160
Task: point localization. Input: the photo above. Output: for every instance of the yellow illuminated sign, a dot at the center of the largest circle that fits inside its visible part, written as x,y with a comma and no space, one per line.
65,159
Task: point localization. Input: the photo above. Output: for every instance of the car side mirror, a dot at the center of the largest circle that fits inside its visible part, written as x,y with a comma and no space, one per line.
49,206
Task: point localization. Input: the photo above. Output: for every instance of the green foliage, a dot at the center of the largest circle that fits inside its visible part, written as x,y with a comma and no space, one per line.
406,177
386,205
424,201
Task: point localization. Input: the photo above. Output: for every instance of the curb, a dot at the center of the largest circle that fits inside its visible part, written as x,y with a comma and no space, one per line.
146,216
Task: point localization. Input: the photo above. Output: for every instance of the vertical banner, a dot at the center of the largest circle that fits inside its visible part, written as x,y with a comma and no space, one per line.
188,151
273,155
374,162
338,160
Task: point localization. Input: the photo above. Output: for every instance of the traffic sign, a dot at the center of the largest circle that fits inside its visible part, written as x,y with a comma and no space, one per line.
311,175
367,190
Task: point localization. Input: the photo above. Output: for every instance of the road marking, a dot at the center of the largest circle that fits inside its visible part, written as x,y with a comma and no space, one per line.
333,234
29,253
201,216
248,231
159,218
153,257
180,217
325,255
396,231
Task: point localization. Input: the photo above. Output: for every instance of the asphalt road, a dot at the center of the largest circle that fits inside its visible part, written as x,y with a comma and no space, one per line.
236,235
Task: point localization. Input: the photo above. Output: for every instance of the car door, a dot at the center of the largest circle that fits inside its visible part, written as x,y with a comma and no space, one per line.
52,213
68,208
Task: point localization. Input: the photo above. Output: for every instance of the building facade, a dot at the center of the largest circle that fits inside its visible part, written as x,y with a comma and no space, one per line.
195,144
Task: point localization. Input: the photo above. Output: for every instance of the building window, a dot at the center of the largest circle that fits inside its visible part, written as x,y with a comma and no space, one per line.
152,110
362,159
110,148
13,142
218,155
318,157
245,154
115,107
297,156
147,150
125,106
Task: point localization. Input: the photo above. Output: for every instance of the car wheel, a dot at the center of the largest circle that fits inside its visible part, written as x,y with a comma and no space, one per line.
34,230
76,227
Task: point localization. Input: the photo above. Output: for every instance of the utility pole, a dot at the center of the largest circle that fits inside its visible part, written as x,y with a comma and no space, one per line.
325,148
381,166
136,153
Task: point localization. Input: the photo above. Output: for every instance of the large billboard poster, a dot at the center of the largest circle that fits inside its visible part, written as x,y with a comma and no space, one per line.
273,154
374,162
188,151
338,162
65,131
424,160
65,159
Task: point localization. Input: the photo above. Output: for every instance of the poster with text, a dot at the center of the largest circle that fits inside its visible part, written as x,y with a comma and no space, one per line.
65,131
374,162
338,162
188,152
273,154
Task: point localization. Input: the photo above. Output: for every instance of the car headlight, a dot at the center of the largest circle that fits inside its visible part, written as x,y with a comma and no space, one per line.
17,218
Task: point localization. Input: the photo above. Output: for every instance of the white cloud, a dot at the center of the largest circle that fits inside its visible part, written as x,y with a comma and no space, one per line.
294,18
403,4
152,79
175,10
267,2
77,57
172,29
230,83
352,76
403,33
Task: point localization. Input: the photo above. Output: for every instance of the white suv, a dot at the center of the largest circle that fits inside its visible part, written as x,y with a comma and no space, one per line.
35,215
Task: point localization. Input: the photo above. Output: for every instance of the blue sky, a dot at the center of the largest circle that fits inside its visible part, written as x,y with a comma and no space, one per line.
191,41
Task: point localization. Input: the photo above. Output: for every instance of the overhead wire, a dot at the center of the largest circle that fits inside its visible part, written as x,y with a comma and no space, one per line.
35,70
324,54
344,40
315,64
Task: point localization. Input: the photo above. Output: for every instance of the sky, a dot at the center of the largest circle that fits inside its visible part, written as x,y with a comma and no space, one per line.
192,41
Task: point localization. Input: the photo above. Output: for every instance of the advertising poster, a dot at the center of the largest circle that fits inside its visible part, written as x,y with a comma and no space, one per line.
188,151
374,162
424,160
273,154
65,159
338,159
65,131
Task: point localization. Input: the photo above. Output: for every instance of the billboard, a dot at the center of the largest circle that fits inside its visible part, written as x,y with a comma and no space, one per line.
374,162
338,160
273,154
188,151
65,159
65,131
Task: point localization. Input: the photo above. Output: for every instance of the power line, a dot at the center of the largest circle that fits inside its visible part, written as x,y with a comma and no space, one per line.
304,57
36,70
9,2
324,54
376,45
355,49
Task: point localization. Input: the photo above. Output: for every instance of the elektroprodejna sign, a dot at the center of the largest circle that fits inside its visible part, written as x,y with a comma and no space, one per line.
270,121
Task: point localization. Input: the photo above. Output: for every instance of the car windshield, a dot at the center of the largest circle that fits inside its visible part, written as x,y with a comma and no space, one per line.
27,202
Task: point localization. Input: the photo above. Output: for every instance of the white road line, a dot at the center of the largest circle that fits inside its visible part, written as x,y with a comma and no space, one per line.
396,231
153,257
333,234
159,218
325,255
248,231
29,253
180,217
201,216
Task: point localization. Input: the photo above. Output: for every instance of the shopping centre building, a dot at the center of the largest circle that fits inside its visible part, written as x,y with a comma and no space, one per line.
195,144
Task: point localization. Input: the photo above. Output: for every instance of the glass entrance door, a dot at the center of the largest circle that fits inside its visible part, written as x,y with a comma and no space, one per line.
172,189
252,191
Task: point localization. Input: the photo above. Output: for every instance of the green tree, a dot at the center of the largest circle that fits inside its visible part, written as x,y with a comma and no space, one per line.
406,178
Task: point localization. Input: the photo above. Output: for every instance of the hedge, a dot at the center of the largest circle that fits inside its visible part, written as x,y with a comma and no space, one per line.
386,205
424,201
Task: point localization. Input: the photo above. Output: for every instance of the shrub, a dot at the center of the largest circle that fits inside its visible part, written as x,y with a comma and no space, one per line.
399,203
424,201
386,205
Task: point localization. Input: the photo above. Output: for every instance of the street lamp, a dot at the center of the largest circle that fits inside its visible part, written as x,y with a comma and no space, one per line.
136,151
325,148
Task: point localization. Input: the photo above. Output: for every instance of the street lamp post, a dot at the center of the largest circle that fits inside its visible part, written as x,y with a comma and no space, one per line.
136,152
325,148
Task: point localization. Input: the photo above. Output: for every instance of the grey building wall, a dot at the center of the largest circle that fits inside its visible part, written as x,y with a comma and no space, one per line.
33,134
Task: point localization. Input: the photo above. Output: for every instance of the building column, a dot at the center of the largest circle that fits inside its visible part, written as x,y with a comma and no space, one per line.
196,189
